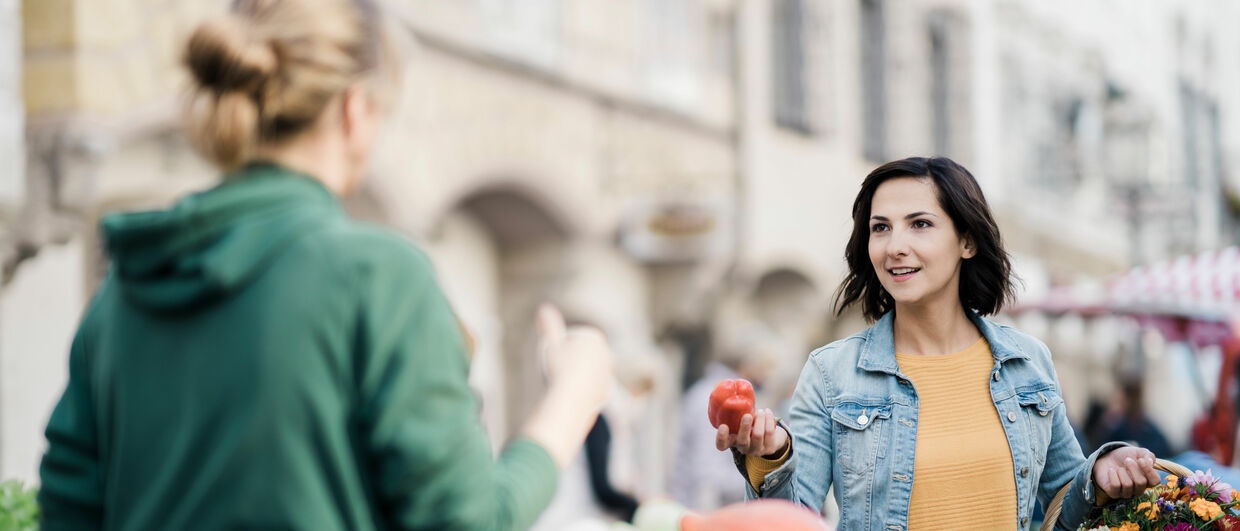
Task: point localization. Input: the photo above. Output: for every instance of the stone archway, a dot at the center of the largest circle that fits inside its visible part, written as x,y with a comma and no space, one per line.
796,310
499,253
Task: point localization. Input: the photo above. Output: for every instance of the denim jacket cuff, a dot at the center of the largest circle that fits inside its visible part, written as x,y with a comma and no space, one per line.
1082,497
773,482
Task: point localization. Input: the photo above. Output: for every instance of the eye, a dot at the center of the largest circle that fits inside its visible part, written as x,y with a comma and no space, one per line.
878,227
921,224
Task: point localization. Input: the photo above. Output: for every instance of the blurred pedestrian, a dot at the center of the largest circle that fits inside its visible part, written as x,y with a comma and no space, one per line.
1127,420
934,417
257,360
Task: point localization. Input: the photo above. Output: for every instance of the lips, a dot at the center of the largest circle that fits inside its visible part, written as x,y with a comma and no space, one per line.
900,274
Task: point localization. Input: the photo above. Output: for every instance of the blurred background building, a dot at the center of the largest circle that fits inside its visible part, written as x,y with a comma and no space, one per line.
673,171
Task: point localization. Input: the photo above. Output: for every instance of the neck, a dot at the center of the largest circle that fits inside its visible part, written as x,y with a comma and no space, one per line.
313,154
933,329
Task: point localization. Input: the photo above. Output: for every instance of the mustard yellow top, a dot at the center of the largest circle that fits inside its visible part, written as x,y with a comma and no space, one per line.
964,465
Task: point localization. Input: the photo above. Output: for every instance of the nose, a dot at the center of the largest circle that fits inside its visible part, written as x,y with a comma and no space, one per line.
897,244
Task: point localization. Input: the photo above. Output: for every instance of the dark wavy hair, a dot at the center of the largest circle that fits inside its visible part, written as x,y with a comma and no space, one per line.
985,279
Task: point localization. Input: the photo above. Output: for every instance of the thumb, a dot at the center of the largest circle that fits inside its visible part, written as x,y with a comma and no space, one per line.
551,334
551,328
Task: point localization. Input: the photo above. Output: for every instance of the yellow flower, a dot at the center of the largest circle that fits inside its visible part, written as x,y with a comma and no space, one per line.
1207,510
1151,510
1127,526
1171,481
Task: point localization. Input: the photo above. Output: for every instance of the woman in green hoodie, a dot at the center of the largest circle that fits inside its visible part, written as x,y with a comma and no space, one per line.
257,360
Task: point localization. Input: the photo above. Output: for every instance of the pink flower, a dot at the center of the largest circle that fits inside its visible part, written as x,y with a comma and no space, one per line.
1178,527
1208,480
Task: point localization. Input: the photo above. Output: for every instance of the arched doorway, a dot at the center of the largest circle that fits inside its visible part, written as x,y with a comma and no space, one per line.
793,307
499,253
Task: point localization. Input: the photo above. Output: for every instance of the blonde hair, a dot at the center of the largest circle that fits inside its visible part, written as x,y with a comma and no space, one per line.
266,71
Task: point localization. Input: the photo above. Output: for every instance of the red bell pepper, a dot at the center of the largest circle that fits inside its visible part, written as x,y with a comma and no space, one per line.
730,401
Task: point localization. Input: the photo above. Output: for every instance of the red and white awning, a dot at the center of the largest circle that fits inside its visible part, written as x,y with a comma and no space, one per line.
1205,285
1202,286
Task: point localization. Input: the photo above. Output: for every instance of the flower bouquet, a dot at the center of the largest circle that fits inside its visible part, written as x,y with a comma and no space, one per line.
1180,503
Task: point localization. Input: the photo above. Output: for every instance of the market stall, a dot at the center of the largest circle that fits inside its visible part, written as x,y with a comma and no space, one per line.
1192,299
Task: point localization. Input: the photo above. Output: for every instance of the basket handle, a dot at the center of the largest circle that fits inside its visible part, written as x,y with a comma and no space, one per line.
1056,507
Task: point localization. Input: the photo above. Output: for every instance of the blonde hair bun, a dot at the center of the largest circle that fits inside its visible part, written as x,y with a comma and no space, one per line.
265,71
224,56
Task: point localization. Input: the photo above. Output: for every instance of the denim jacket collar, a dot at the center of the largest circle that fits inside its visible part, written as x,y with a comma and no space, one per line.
878,353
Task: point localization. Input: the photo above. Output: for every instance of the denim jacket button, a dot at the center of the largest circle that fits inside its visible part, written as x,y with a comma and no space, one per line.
1011,416
1024,522
996,375
1024,472
863,419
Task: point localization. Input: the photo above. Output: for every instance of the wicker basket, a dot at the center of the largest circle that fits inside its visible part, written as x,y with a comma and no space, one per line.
1056,507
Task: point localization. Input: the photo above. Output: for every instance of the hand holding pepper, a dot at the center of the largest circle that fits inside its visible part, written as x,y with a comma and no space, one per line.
755,432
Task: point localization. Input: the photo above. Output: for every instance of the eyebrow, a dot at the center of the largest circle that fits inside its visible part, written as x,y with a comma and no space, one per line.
910,216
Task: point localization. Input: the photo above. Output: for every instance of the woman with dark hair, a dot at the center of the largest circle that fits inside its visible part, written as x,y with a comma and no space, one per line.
934,417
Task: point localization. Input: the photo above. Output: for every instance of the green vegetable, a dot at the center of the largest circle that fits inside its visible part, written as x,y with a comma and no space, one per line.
18,509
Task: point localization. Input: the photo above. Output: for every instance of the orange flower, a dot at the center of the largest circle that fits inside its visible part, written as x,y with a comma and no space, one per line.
1207,510
1127,526
1172,481
1151,510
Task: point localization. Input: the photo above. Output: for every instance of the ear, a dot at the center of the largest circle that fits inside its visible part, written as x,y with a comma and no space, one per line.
968,249
354,109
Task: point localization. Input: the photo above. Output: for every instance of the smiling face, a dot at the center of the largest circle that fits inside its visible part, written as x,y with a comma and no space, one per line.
913,244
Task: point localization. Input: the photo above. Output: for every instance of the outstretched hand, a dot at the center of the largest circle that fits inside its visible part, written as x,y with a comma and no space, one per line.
578,364
1125,472
758,435
576,359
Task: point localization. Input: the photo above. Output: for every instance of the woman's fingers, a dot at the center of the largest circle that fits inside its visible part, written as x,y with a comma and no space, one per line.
1109,481
768,443
1125,472
1125,483
1151,475
757,435
1136,470
743,434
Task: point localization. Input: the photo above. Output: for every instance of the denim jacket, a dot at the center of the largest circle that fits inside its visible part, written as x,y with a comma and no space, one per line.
854,424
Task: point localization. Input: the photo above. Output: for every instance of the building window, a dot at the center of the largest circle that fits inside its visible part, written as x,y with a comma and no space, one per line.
788,65
1202,144
874,79
1203,161
1188,115
524,30
1059,150
674,45
722,44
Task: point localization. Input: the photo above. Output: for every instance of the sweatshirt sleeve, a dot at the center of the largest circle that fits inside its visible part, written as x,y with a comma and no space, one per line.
71,492
756,468
429,457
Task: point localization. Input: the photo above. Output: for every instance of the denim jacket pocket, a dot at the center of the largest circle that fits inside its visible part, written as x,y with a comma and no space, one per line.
858,432
1039,402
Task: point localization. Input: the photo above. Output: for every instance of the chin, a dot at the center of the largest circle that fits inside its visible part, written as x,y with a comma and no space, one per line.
906,299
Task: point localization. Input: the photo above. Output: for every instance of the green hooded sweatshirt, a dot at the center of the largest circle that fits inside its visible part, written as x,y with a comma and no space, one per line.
257,360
